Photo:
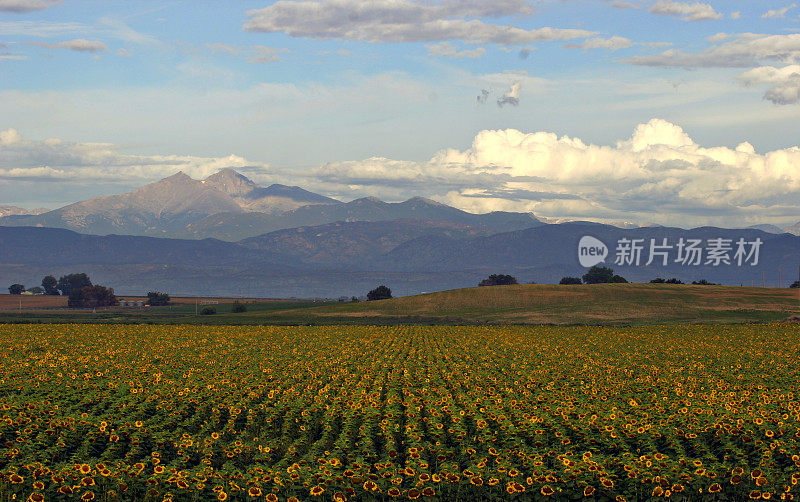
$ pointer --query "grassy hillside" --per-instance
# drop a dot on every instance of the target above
(588, 304)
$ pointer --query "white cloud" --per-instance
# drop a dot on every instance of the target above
(736, 14)
(658, 174)
(402, 21)
(784, 82)
(511, 96)
(686, 11)
(21, 6)
(745, 50)
(84, 162)
(778, 13)
(78, 45)
(264, 54)
(614, 43)
(447, 49)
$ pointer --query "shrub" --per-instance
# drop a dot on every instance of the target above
(498, 280)
(238, 307)
(570, 280)
(208, 311)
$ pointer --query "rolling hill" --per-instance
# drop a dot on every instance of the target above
(552, 304)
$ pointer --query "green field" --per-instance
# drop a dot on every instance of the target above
(368, 413)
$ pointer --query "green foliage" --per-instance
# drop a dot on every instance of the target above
(598, 275)
(208, 310)
(703, 282)
(570, 280)
(795, 284)
(16, 289)
(71, 282)
(91, 297)
(380, 293)
(157, 299)
(238, 307)
(498, 280)
(657, 280)
(674, 281)
(50, 285)
(618, 279)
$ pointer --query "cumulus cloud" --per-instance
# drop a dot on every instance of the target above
(54, 158)
(614, 43)
(784, 83)
(686, 11)
(778, 13)
(264, 54)
(447, 49)
(402, 21)
(744, 50)
(658, 174)
(77, 45)
(22, 6)
(511, 96)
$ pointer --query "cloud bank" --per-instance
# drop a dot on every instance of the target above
(381, 21)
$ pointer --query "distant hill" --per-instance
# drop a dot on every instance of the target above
(356, 243)
(349, 258)
(234, 226)
(165, 207)
(793, 229)
(766, 227)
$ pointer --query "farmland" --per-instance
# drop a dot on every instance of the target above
(408, 412)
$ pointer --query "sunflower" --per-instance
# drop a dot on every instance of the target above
(715, 488)
(36, 497)
(413, 494)
(222, 496)
(254, 491)
(370, 485)
(65, 490)
(86, 468)
(292, 499)
(316, 491)
(755, 494)
(588, 491)
(339, 497)
(608, 483)
(38, 485)
(87, 496)
(271, 497)
(87, 481)
(16, 479)
(761, 481)
(493, 481)
(393, 492)
(476, 480)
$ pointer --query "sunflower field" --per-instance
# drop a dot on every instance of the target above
(116, 412)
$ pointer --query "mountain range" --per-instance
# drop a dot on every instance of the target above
(231, 207)
(225, 235)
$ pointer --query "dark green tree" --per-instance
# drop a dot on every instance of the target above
(795, 284)
(703, 282)
(157, 299)
(238, 307)
(16, 289)
(658, 280)
(498, 280)
(618, 279)
(91, 297)
(598, 275)
(380, 293)
(674, 281)
(208, 311)
(570, 280)
(50, 285)
(71, 282)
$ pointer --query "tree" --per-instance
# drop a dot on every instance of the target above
(208, 311)
(703, 282)
(674, 281)
(380, 293)
(498, 280)
(91, 297)
(658, 280)
(71, 282)
(36, 290)
(50, 285)
(156, 299)
(618, 279)
(570, 280)
(795, 284)
(238, 307)
(16, 289)
(598, 275)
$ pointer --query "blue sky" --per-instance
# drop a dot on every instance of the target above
(591, 109)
